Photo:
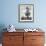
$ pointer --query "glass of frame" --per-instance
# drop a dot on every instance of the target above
(26, 13)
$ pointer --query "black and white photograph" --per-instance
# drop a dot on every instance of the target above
(26, 12)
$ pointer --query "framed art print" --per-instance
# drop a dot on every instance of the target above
(26, 12)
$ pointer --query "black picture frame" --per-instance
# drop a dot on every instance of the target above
(26, 13)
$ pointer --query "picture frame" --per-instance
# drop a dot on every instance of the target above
(26, 13)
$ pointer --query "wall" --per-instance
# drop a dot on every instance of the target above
(9, 13)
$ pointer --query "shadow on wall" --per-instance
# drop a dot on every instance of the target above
(2, 26)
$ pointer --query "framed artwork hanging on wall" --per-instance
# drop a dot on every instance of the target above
(26, 13)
